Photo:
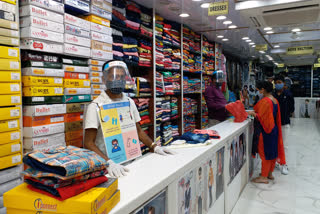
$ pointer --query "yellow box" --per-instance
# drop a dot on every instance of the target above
(10, 88)
(9, 41)
(10, 160)
(9, 65)
(8, 24)
(10, 113)
(41, 81)
(76, 83)
(10, 1)
(98, 20)
(10, 76)
(10, 100)
(9, 125)
(112, 201)
(90, 202)
(9, 137)
(9, 52)
(10, 148)
(41, 91)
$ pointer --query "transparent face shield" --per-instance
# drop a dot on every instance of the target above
(221, 77)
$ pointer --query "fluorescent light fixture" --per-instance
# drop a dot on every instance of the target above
(196, 0)
(270, 32)
(232, 26)
(227, 22)
(262, 52)
(296, 30)
(276, 46)
(251, 43)
(221, 17)
(205, 5)
(225, 40)
(253, 46)
(248, 40)
(245, 38)
(267, 28)
(184, 15)
(220, 36)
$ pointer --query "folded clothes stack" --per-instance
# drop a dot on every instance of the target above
(130, 50)
(117, 45)
(143, 108)
(205, 116)
(190, 123)
(160, 90)
(191, 85)
(143, 87)
(175, 130)
(159, 43)
(168, 83)
(158, 118)
(146, 21)
(166, 133)
(133, 16)
(189, 106)
(174, 108)
(145, 53)
(119, 13)
(176, 83)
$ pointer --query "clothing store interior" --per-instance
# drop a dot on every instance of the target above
(159, 106)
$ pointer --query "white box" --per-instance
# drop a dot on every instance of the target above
(44, 110)
(77, 69)
(30, 10)
(44, 143)
(43, 72)
(41, 23)
(96, 62)
(98, 86)
(8, 7)
(77, 31)
(95, 68)
(76, 50)
(10, 174)
(101, 29)
(103, 55)
(82, 5)
(5, 187)
(95, 80)
(70, 19)
(76, 91)
(47, 4)
(101, 12)
(94, 74)
(96, 91)
(76, 40)
(38, 131)
(37, 33)
(38, 45)
(101, 37)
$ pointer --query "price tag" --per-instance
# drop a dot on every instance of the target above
(13, 124)
(58, 80)
(13, 52)
(15, 76)
(15, 87)
(16, 159)
(14, 65)
(15, 99)
(82, 76)
(15, 136)
(58, 90)
(37, 64)
(15, 148)
(37, 99)
(14, 113)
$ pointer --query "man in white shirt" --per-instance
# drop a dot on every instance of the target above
(115, 76)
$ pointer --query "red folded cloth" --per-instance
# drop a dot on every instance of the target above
(238, 111)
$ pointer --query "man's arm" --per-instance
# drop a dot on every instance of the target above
(210, 99)
(90, 142)
(143, 137)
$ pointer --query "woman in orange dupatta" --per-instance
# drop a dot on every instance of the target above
(270, 144)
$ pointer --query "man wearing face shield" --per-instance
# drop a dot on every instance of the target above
(215, 99)
(115, 77)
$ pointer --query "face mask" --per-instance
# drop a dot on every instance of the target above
(116, 86)
(279, 86)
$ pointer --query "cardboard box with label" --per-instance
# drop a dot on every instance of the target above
(77, 31)
(10, 113)
(9, 100)
(73, 75)
(42, 120)
(38, 131)
(96, 91)
(42, 81)
(76, 50)
(48, 4)
(10, 149)
(10, 88)
(101, 12)
(33, 21)
(75, 91)
(103, 4)
(53, 65)
(74, 126)
(73, 117)
(44, 143)
(9, 137)
(73, 20)
(75, 142)
(9, 33)
(73, 135)
(75, 83)
(45, 72)
(96, 79)
(7, 7)
(98, 20)
(31, 10)
(76, 98)
(10, 76)
(43, 110)
(32, 91)
(39, 57)
(77, 6)
(9, 41)
(8, 24)
(38, 45)
(37, 33)
(9, 125)
(5, 187)
(96, 62)
(103, 55)
(77, 40)
(75, 62)
(101, 37)
(101, 29)
(75, 107)
(42, 100)
(78, 69)
(101, 46)
(98, 86)
(96, 74)
(10, 160)
(9, 64)
(10, 174)
(9, 52)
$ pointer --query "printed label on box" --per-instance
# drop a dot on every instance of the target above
(15, 41)
(16, 159)
(14, 113)
(98, 54)
(101, 37)
(72, 39)
(78, 31)
(14, 65)
(78, 4)
(15, 76)
(48, 4)
(76, 50)
(33, 32)
(30, 10)
(77, 21)
(15, 136)
(15, 87)
(101, 29)
(41, 23)
(58, 80)
(15, 148)
(13, 52)
(13, 124)
(38, 45)
(15, 99)
(37, 99)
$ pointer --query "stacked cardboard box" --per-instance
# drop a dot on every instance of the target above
(96, 77)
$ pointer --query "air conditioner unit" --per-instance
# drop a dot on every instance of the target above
(270, 13)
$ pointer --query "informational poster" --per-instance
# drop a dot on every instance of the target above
(307, 108)
(211, 181)
(119, 132)
(156, 205)
(201, 198)
(187, 193)
(219, 173)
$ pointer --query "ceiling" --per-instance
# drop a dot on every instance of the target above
(199, 21)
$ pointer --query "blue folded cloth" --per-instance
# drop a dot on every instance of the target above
(192, 138)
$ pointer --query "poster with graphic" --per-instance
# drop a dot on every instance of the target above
(219, 173)
(201, 181)
(307, 108)
(119, 132)
(156, 205)
(211, 181)
(187, 193)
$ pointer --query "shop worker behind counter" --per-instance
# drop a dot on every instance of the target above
(215, 100)
(115, 76)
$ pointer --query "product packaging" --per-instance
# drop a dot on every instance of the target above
(96, 91)
(9, 125)
(73, 135)
(39, 45)
(96, 62)
(76, 83)
(47, 72)
(9, 33)
(73, 107)
(101, 29)
(9, 52)
(77, 69)
(42, 100)
(101, 37)
(7, 7)
(98, 86)
(76, 98)
(10, 149)
(103, 4)
(76, 40)
(10, 174)
(76, 50)
(40, 57)
(41, 81)
(37, 33)
(10, 160)
(41, 91)
(47, 4)
(76, 142)
(76, 62)
(93, 97)
(10, 76)
(103, 55)
(8, 24)
(98, 20)
(9, 41)
(44, 143)
(72, 75)
(76, 91)
(44, 110)
(10, 88)
(54, 65)
(9, 100)
(5, 187)
(33, 21)
(101, 12)
(73, 117)
(73, 20)
(96, 74)
(73, 126)
(75, 5)
(38, 131)
(96, 80)
(10, 113)
(9, 64)
(7, 15)
(10, 1)
(9, 137)
(77, 31)
(31, 10)
(42, 120)
(101, 46)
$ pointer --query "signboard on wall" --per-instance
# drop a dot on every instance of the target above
(262, 47)
(280, 65)
(300, 50)
(317, 65)
(218, 8)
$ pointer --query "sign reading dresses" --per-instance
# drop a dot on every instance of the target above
(119, 132)
(218, 8)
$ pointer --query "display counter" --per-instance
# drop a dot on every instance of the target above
(153, 174)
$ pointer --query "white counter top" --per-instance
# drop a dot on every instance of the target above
(152, 173)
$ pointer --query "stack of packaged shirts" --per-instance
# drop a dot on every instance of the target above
(189, 123)
(130, 50)
(159, 43)
(143, 108)
(76, 89)
(101, 8)
(77, 40)
(166, 133)
(41, 26)
(174, 108)
(117, 45)
(160, 90)
(133, 16)
(97, 86)
(166, 108)
(191, 85)
(145, 53)
(205, 115)
(189, 106)
(143, 87)
(146, 21)
(119, 13)
(168, 83)
(77, 7)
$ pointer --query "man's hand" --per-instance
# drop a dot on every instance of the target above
(163, 151)
(116, 170)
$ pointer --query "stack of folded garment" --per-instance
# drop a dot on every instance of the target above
(159, 43)
(191, 85)
(166, 133)
(130, 50)
(176, 83)
(119, 13)
(133, 16)
(146, 21)
(143, 108)
(117, 45)
(205, 116)
(158, 117)
(166, 109)
(168, 83)
(175, 130)
(160, 90)
(189, 106)
(145, 56)
(143, 87)
(190, 123)
(174, 108)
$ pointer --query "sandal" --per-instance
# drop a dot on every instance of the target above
(269, 177)
(260, 180)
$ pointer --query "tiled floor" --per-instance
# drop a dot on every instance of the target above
(298, 192)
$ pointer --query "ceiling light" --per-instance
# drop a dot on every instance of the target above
(232, 26)
(245, 38)
(205, 5)
(220, 36)
(253, 46)
(196, 0)
(248, 40)
(267, 28)
(253, 56)
(221, 17)
(262, 52)
(276, 46)
(225, 39)
(227, 22)
(184, 15)
(270, 32)
(251, 43)
(296, 30)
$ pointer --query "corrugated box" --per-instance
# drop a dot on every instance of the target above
(42, 100)
(54, 65)
(42, 120)
(5, 187)
(96, 62)
(81, 5)
(76, 83)
(44, 143)
(40, 57)
(9, 33)
(43, 110)
(72, 75)
(9, 52)
(76, 98)
(9, 125)
(38, 131)
(10, 1)
(78, 69)
(10, 149)
(41, 91)
(101, 46)
(98, 20)
(41, 81)
(7, 7)
(9, 64)
(96, 91)
(76, 50)
(37, 33)
(98, 86)
(47, 72)
(7, 76)
(38, 45)
(96, 80)
(101, 12)
(76, 91)
(99, 54)
(9, 100)
(9, 137)
(10, 174)
(70, 19)
(73, 135)
(41, 23)
(76, 62)
(10, 160)
(96, 74)
(101, 37)
(8, 24)
(76, 142)
(72, 117)
(47, 4)
(10, 88)
(10, 113)
(78, 31)
(72, 39)
(73, 126)
(30, 10)
(73, 107)
(100, 28)
(9, 41)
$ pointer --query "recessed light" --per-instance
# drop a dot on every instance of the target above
(227, 22)
(270, 32)
(220, 36)
(296, 30)
(277, 46)
(253, 56)
(253, 46)
(205, 5)
(232, 26)
(251, 43)
(184, 15)
(245, 38)
(225, 39)
(221, 17)
(267, 28)
(248, 40)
